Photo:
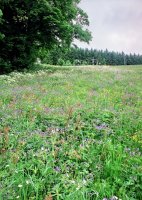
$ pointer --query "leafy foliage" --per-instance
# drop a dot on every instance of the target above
(1, 35)
(29, 25)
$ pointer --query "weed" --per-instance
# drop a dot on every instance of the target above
(71, 133)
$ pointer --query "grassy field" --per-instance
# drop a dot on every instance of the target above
(71, 133)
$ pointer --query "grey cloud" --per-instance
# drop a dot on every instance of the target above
(115, 24)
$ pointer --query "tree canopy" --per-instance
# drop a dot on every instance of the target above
(27, 25)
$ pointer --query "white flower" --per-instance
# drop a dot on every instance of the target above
(20, 185)
(27, 182)
(84, 182)
(42, 148)
(72, 181)
(78, 187)
(17, 197)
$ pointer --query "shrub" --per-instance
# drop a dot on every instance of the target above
(61, 62)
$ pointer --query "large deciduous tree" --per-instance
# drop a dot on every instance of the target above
(26, 25)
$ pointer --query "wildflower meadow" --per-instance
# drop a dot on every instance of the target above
(71, 133)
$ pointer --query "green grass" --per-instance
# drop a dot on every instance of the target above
(71, 133)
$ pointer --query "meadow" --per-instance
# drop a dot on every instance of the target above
(71, 133)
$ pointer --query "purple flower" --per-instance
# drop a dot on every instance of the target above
(101, 127)
(57, 169)
(18, 111)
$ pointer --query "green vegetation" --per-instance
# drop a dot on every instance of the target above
(79, 56)
(71, 133)
(27, 26)
(93, 56)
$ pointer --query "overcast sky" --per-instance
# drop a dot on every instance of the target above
(115, 24)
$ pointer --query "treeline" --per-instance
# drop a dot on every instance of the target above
(79, 56)
(27, 26)
(46, 29)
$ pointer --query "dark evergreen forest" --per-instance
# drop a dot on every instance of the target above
(79, 56)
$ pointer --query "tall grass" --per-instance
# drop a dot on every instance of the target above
(71, 133)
